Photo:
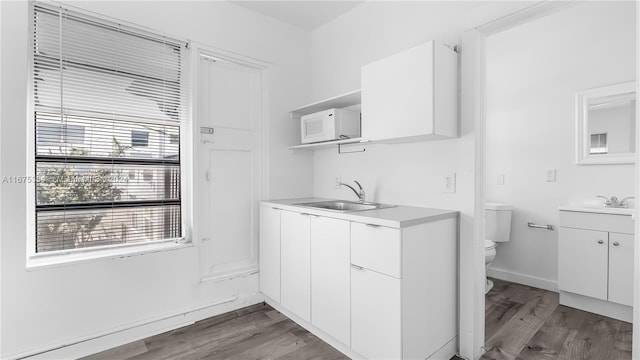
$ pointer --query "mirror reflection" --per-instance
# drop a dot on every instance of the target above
(611, 124)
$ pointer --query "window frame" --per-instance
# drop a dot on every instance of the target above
(35, 260)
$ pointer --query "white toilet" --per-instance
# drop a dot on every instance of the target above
(497, 229)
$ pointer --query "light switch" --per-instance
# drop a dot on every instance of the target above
(551, 175)
(501, 179)
(449, 183)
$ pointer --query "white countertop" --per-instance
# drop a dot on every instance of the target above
(598, 210)
(395, 217)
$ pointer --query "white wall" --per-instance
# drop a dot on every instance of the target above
(58, 305)
(408, 174)
(534, 71)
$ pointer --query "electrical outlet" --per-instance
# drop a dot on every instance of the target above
(449, 183)
(337, 184)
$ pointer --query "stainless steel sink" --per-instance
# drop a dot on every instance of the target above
(345, 206)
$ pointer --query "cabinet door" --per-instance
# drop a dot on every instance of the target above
(412, 93)
(270, 252)
(375, 315)
(621, 268)
(296, 263)
(330, 273)
(582, 262)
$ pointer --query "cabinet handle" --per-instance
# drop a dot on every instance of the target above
(373, 225)
(357, 267)
(309, 215)
(615, 243)
(600, 241)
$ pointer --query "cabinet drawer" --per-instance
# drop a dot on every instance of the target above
(377, 248)
(601, 222)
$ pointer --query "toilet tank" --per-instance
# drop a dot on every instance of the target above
(497, 222)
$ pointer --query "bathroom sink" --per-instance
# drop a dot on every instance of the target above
(344, 206)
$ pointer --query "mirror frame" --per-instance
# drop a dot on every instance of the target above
(582, 152)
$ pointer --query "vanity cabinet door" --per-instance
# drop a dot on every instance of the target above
(330, 273)
(621, 268)
(376, 326)
(583, 262)
(296, 263)
(269, 250)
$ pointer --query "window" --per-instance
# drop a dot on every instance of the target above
(99, 90)
(598, 144)
(139, 138)
(54, 134)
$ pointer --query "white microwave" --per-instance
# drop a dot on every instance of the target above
(332, 124)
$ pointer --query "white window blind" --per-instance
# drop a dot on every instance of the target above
(108, 106)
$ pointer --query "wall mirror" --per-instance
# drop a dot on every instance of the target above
(606, 125)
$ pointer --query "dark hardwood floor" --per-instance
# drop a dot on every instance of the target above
(254, 332)
(527, 323)
(522, 323)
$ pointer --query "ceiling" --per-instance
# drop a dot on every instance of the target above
(304, 14)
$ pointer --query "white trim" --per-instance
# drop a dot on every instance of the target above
(45, 261)
(110, 338)
(472, 272)
(523, 279)
(635, 351)
(0, 188)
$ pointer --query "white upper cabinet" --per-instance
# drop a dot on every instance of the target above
(412, 95)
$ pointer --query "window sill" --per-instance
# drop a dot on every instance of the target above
(43, 261)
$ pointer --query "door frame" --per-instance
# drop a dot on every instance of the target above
(473, 92)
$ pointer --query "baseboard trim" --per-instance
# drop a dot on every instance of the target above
(523, 279)
(108, 339)
(597, 306)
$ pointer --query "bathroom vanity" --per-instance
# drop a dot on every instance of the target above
(595, 260)
(378, 283)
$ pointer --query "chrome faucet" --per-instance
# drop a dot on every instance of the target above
(360, 194)
(613, 202)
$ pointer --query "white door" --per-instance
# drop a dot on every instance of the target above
(330, 277)
(621, 268)
(295, 287)
(228, 114)
(582, 262)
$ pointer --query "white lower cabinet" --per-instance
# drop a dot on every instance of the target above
(371, 291)
(295, 252)
(330, 273)
(376, 314)
(403, 290)
(595, 263)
